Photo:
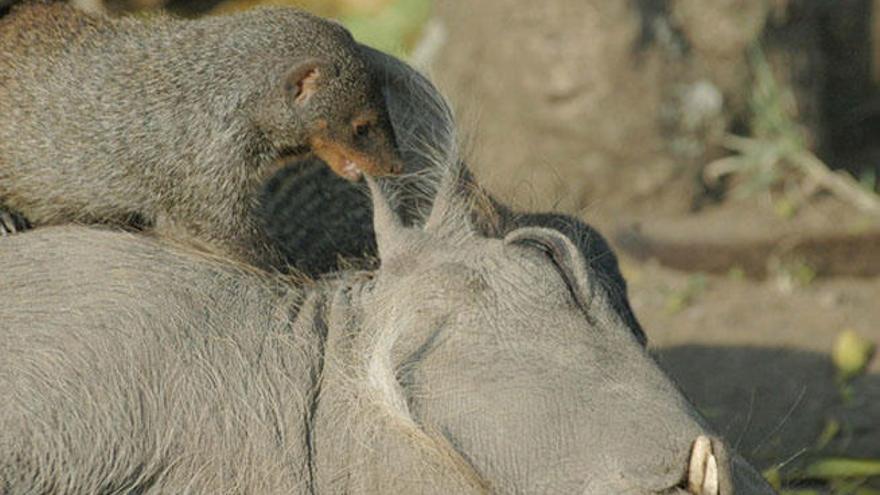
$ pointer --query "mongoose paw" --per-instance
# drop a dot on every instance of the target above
(12, 222)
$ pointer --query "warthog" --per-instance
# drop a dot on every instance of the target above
(463, 364)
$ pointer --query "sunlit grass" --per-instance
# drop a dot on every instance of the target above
(393, 26)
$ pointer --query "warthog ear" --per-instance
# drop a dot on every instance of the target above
(450, 213)
(565, 255)
(389, 230)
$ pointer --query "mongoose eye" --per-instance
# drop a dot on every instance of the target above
(362, 129)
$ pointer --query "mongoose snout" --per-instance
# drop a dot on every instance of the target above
(349, 162)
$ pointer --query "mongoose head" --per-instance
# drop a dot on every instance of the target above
(331, 104)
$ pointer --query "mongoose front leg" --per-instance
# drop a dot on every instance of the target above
(12, 222)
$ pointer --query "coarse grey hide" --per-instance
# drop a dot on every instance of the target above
(463, 364)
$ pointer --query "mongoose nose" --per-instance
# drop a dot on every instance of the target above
(351, 171)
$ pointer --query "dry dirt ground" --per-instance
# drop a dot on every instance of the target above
(756, 360)
(754, 354)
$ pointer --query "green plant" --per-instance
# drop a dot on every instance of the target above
(776, 154)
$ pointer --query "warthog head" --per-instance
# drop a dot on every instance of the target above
(502, 365)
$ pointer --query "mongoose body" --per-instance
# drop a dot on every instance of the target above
(176, 124)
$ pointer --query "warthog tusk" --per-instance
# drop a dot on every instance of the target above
(703, 468)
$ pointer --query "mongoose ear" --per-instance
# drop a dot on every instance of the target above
(306, 77)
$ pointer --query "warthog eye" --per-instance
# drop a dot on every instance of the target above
(363, 281)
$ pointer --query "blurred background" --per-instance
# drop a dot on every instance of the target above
(730, 150)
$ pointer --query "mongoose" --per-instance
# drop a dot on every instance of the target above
(176, 124)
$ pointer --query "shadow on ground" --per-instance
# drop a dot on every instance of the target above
(774, 403)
